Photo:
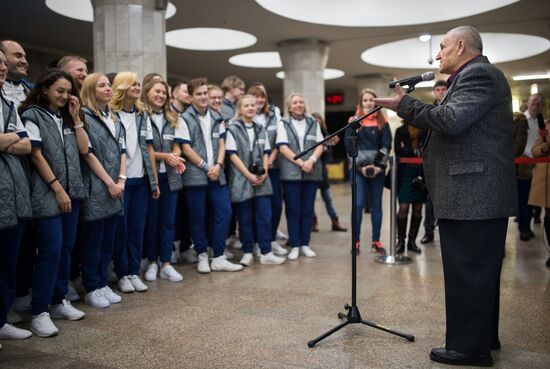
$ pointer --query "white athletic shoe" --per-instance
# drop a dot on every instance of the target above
(294, 253)
(256, 251)
(66, 311)
(203, 265)
(124, 285)
(189, 256)
(42, 325)
(112, 297)
(281, 235)
(174, 257)
(72, 293)
(151, 273)
(221, 264)
(13, 317)
(307, 251)
(271, 258)
(9, 332)
(278, 249)
(170, 273)
(22, 303)
(247, 259)
(138, 283)
(96, 299)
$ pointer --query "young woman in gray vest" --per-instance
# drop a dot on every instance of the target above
(161, 214)
(300, 178)
(249, 185)
(51, 116)
(268, 119)
(16, 205)
(204, 180)
(105, 177)
(141, 179)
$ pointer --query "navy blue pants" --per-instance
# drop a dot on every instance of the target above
(10, 239)
(56, 239)
(25, 261)
(128, 250)
(525, 211)
(197, 199)
(98, 241)
(429, 218)
(299, 204)
(276, 201)
(160, 226)
(254, 218)
(369, 190)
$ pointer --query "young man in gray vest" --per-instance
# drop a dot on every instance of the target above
(15, 88)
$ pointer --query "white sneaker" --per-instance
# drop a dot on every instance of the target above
(189, 256)
(9, 332)
(228, 254)
(112, 297)
(294, 253)
(256, 251)
(66, 311)
(13, 317)
(221, 264)
(151, 273)
(174, 258)
(96, 299)
(270, 258)
(42, 325)
(278, 249)
(138, 283)
(281, 235)
(143, 265)
(72, 294)
(170, 273)
(124, 285)
(247, 259)
(307, 251)
(22, 303)
(203, 265)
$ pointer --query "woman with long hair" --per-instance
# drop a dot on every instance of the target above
(141, 178)
(373, 145)
(161, 213)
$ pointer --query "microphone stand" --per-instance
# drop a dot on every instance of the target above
(353, 316)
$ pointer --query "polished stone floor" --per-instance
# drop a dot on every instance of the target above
(264, 316)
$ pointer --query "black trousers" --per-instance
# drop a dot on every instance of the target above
(472, 252)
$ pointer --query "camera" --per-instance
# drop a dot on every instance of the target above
(369, 172)
(256, 169)
(419, 184)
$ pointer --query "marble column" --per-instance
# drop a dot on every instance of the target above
(304, 62)
(130, 35)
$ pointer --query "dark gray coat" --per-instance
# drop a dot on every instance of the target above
(469, 153)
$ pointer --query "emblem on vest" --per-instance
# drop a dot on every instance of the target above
(168, 137)
(67, 131)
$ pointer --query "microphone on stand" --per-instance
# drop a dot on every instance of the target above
(412, 81)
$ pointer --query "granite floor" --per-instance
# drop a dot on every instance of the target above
(264, 316)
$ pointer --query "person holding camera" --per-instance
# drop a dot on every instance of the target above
(300, 178)
(373, 145)
(410, 184)
(249, 184)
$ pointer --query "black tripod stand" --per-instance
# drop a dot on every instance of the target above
(353, 315)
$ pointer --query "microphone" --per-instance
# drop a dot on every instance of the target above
(542, 126)
(412, 81)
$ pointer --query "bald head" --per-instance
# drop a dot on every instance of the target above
(459, 46)
(16, 59)
(471, 37)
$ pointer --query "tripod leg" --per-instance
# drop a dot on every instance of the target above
(313, 342)
(409, 337)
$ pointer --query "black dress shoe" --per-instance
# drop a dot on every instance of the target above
(427, 238)
(442, 355)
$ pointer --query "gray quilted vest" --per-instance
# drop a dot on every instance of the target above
(271, 127)
(62, 157)
(107, 148)
(164, 142)
(141, 121)
(195, 176)
(14, 186)
(240, 188)
(289, 171)
(227, 110)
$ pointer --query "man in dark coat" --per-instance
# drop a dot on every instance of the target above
(469, 171)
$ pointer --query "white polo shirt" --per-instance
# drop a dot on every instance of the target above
(134, 162)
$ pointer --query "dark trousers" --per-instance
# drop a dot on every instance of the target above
(429, 218)
(254, 218)
(299, 205)
(10, 239)
(276, 201)
(472, 253)
(25, 261)
(524, 210)
(183, 229)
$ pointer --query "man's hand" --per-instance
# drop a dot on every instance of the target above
(391, 102)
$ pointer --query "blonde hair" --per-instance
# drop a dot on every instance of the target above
(238, 114)
(214, 87)
(260, 91)
(289, 99)
(62, 63)
(380, 117)
(87, 93)
(231, 82)
(121, 84)
(170, 114)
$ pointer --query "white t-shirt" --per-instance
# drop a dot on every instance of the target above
(14, 92)
(206, 128)
(34, 131)
(231, 143)
(134, 162)
(158, 121)
(260, 119)
(532, 134)
(300, 126)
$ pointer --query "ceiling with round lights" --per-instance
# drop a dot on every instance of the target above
(83, 10)
(328, 73)
(369, 13)
(412, 53)
(209, 39)
(266, 59)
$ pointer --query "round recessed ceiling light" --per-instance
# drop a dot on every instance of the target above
(208, 39)
(362, 13)
(83, 10)
(267, 59)
(328, 73)
(413, 54)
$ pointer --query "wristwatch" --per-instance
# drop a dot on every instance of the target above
(123, 177)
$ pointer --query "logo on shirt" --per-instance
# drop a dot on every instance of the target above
(68, 131)
(216, 135)
(168, 137)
